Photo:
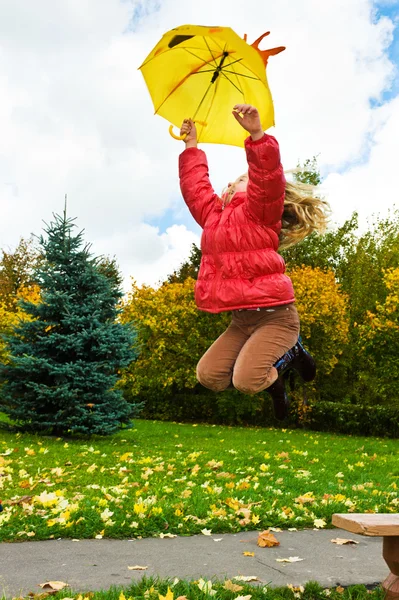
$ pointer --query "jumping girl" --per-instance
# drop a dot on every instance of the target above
(241, 270)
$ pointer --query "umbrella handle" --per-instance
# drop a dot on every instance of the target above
(174, 136)
(182, 137)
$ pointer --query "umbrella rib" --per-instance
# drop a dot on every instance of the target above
(239, 74)
(181, 83)
(205, 62)
(167, 51)
(210, 107)
(202, 99)
(209, 48)
(229, 80)
(238, 82)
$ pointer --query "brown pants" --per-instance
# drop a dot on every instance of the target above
(245, 353)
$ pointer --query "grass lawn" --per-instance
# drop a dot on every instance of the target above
(157, 589)
(169, 478)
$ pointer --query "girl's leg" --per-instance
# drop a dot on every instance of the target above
(215, 369)
(274, 334)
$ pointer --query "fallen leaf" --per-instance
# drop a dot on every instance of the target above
(137, 568)
(168, 596)
(206, 587)
(343, 541)
(232, 587)
(340, 589)
(217, 539)
(22, 500)
(305, 499)
(275, 529)
(243, 597)
(267, 540)
(319, 523)
(53, 586)
(167, 535)
(291, 559)
(206, 531)
(248, 554)
(246, 578)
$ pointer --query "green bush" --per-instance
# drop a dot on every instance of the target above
(234, 408)
(199, 405)
(377, 420)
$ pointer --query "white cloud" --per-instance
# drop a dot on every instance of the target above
(75, 116)
(144, 248)
(372, 182)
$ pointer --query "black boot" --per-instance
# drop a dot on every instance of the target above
(299, 359)
(281, 402)
(303, 362)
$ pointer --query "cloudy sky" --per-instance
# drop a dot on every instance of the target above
(76, 118)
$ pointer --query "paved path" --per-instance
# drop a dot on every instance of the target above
(97, 564)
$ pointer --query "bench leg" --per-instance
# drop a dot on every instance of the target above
(390, 552)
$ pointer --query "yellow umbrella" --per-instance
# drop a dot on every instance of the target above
(201, 73)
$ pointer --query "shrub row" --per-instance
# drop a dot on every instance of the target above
(233, 408)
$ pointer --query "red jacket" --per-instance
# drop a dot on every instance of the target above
(240, 266)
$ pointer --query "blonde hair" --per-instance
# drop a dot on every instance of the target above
(304, 212)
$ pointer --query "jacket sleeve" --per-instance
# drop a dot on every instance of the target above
(266, 181)
(195, 186)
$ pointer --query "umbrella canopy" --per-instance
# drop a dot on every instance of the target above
(201, 73)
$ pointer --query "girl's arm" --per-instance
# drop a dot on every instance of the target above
(266, 180)
(194, 176)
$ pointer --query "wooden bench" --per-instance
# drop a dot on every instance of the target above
(386, 526)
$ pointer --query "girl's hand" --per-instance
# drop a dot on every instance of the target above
(188, 128)
(249, 120)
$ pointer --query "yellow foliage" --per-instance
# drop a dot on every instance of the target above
(386, 316)
(9, 318)
(173, 334)
(323, 309)
(379, 339)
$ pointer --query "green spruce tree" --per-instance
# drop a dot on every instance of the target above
(66, 361)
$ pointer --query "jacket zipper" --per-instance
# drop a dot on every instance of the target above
(218, 274)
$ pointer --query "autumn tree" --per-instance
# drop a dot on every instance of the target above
(16, 271)
(172, 334)
(11, 317)
(188, 268)
(66, 359)
(379, 342)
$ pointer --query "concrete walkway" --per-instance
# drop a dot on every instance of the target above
(97, 564)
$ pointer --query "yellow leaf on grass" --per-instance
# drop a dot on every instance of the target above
(246, 578)
(319, 523)
(243, 597)
(138, 568)
(267, 540)
(206, 587)
(343, 541)
(340, 589)
(232, 587)
(168, 595)
(249, 553)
